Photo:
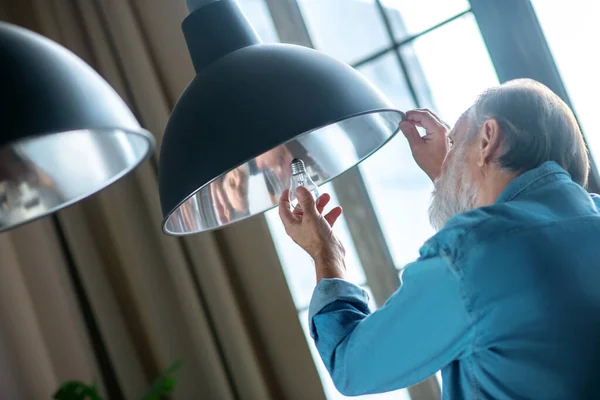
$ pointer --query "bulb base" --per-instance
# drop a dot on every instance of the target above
(297, 166)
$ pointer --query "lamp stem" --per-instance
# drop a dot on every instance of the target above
(194, 5)
(214, 29)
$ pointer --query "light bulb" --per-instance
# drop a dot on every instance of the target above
(300, 178)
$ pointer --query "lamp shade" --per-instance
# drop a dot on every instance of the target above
(64, 133)
(251, 109)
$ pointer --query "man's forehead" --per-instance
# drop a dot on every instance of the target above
(464, 116)
(462, 124)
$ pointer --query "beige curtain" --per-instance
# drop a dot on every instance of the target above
(97, 292)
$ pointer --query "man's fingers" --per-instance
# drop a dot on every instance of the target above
(429, 113)
(284, 208)
(297, 211)
(426, 119)
(434, 115)
(306, 201)
(333, 215)
(322, 201)
(410, 132)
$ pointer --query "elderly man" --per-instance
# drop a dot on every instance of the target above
(505, 298)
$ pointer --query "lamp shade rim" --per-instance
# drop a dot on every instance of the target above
(139, 132)
(332, 122)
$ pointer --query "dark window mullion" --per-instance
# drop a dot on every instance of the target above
(399, 58)
(372, 57)
(414, 37)
(396, 47)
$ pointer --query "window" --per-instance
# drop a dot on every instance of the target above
(260, 18)
(572, 33)
(426, 54)
(409, 17)
(296, 264)
(450, 67)
(334, 24)
(420, 54)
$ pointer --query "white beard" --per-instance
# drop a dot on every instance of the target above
(453, 193)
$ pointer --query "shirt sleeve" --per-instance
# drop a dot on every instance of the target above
(423, 327)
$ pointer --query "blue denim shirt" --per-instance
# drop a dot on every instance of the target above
(505, 300)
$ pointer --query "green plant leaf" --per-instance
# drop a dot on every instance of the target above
(173, 368)
(164, 384)
(76, 390)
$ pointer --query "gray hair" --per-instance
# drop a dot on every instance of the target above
(537, 126)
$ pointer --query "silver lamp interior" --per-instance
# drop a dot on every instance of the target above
(256, 185)
(43, 174)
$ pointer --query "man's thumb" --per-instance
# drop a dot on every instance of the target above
(306, 200)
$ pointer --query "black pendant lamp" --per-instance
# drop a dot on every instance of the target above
(251, 109)
(64, 134)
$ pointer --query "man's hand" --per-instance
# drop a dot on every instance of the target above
(430, 150)
(312, 231)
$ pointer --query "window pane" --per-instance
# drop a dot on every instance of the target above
(298, 266)
(330, 390)
(345, 29)
(259, 16)
(453, 67)
(400, 194)
(455, 64)
(572, 33)
(409, 17)
(385, 73)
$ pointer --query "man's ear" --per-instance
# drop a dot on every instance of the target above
(490, 136)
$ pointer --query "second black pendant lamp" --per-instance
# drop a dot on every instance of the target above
(250, 110)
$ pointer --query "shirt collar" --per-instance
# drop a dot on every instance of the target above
(527, 181)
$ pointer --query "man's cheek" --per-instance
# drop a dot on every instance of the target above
(447, 161)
